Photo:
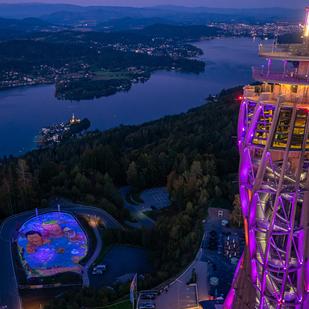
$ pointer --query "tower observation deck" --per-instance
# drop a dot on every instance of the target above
(273, 141)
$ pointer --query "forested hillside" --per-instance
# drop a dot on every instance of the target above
(193, 152)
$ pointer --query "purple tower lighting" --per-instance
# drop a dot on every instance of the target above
(273, 142)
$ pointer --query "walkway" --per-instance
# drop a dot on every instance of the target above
(136, 210)
(155, 197)
(96, 253)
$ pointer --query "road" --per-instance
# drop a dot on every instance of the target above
(95, 254)
(8, 285)
(155, 197)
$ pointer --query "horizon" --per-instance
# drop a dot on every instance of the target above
(219, 4)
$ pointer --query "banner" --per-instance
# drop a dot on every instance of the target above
(132, 288)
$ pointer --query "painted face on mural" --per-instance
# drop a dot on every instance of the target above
(35, 240)
(69, 233)
(52, 229)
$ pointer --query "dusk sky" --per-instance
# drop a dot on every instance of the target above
(193, 3)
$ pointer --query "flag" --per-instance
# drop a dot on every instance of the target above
(132, 288)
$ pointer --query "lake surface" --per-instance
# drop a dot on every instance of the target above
(24, 111)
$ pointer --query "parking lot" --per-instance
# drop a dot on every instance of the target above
(177, 295)
(157, 197)
(121, 261)
(220, 266)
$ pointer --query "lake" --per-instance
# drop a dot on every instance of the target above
(24, 111)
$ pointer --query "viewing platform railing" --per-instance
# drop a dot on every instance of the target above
(281, 50)
(288, 76)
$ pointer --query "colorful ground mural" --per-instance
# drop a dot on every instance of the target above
(50, 244)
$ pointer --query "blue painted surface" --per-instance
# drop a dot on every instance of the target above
(63, 244)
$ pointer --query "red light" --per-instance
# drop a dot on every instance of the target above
(240, 97)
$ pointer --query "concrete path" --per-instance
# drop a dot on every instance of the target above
(136, 210)
(156, 197)
(96, 253)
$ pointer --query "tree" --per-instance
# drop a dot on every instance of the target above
(196, 169)
(218, 191)
(23, 172)
(85, 185)
(132, 175)
(237, 215)
(6, 190)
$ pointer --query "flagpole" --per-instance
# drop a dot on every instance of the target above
(136, 285)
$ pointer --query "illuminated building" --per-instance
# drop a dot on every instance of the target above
(273, 144)
(73, 120)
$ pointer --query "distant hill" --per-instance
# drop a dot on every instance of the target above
(28, 24)
(93, 15)
(24, 10)
(181, 32)
(82, 38)
(128, 23)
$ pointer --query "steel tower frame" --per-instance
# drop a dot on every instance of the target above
(273, 129)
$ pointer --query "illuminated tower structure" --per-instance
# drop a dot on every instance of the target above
(273, 141)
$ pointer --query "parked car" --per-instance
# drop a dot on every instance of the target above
(97, 272)
(100, 267)
(147, 305)
(148, 296)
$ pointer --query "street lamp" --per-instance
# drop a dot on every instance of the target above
(178, 291)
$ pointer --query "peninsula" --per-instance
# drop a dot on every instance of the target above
(58, 133)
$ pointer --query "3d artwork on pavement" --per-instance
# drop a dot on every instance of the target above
(50, 244)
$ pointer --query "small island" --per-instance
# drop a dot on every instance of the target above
(59, 133)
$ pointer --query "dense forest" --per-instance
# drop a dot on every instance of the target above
(192, 153)
(23, 55)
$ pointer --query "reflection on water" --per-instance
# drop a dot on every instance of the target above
(24, 111)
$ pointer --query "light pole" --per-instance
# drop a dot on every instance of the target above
(178, 291)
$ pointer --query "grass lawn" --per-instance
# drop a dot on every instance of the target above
(132, 219)
(101, 75)
(136, 198)
(150, 214)
(128, 198)
(123, 305)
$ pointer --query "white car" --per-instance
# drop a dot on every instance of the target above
(147, 305)
(97, 272)
(100, 267)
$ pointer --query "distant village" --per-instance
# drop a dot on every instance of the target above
(55, 134)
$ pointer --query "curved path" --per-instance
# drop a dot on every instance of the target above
(8, 285)
(137, 210)
(96, 252)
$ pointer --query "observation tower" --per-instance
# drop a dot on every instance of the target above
(273, 141)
